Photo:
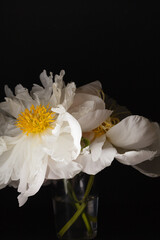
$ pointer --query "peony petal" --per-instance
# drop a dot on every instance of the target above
(13, 107)
(83, 109)
(66, 133)
(3, 146)
(58, 88)
(34, 186)
(135, 157)
(37, 181)
(81, 98)
(94, 119)
(75, 131)
(108, 153)
(3, 124)
(31, 171)
(64, 144)
(11, 129)
(59, 170)
(150, 168)
(45, 80)
(69, 95)
(43, 97)
(133, 132)
(96, 147)
(93, 167)
(92, 88)
(23, 96)
(22, 199)
(59, 79)
(8, 92)
(23, 161)
(9, 157)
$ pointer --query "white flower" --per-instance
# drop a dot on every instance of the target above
(151, 167)
(131, 139)
(39, 139)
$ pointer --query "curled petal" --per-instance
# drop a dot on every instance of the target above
(64, 144)
(82, 98)
(13, 107)
(9, 158)
(45, 80)
(90, 166)
(92, 88)
(96, 147)
(94, 119)
(8, 92)
(59, 79)
(135, 157)
(59, 170)
(8, 126)
(68, 97)
(23, 96)
(34, 186)
(133, 132)
(3, 146)
(150, 168)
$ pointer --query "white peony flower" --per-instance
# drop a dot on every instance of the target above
(39, 139)
(114, 133)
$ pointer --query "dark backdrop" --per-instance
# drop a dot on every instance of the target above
(116, 42)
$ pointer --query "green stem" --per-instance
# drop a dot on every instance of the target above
(84, 217)
(72, 220)
(80, 208)
(89, 186)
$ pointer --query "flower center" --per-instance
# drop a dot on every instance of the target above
(35, 120)
(105, 126)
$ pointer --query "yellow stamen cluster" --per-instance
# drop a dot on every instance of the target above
(35, 120)
(105, 126)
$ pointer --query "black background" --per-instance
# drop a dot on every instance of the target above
(116, 42)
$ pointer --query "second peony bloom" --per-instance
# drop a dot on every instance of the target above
(112, 132)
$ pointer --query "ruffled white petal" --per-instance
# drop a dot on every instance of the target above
(54, 93)
(23, 96)
(59, 79)
(96, 147)
(45, 80)
(59, 170)
(2, 124)
(8, 126)
(108, 153)
(94, 119)
(133, 132)
(89, 109)
(64, 144)
(135, 157)
(26, 162)
(3, 146)
(8, 92)
(9, 157)
(150, 168)
(92, 88)
(82, 99)
(35, 183)
(58, 89)
(13, 107)
(90, 166)
(69, 93)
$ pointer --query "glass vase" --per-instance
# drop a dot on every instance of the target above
(75, 205)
